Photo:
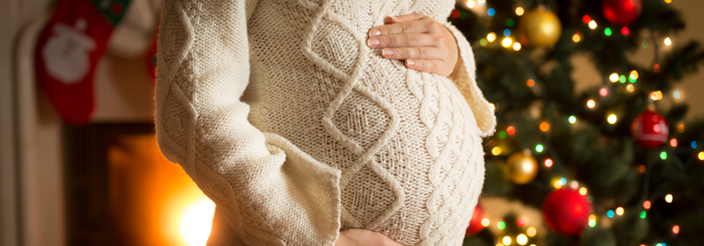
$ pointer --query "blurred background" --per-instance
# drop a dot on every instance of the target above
(79, 164)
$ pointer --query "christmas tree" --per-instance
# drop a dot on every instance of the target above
(615, 164)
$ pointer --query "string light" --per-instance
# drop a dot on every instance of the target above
(591, 103)
(608, 32)
(506, 42)
(557, 184)
(656, 68)
(491, 37)
(481, 2)
(634, 75)
(613, 77)
(693, 145)
(531, 231)
(471, 4)
(491, 11)
(643, 214)
(520, 11)
(673, 142)
(680, 128)
(502, 134)
(603, 92)
(619, 211)
(630, 88)
(612, 119)
(592, 220)
(516, 46)
(522, 239)
(586, 19)
(521, 222)
(701, 156)
(483, 42)
(544, 126)
(622, 79)
(572, 119)
(496, 151)
(507, 32)
(592, 24)
(574, 184)
(530, 83)
(668, 41)
(641, 168)
(583, 191)
(539, 148)
(506, 240)
(625, 31)
(501, 225)
(668, 1)
(576, 38)
(646, 204)
(485, 222)
(663, 155)
(510, 130)
(656, 95)
(676, 229)
(610, 214)
(668, 198)
(676, 94)
(563, 181)
(548, 163)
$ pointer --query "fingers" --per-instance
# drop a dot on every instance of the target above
(414, 53)
(422, 25)
(404, 40)
(430, 66)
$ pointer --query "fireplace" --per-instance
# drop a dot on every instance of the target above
(120, 190)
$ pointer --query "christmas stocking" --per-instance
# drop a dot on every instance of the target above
(68, 51)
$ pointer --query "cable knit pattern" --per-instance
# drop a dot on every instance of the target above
(337, 137)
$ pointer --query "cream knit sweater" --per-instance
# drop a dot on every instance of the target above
(297, 130)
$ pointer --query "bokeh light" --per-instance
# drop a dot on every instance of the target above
(669, 198)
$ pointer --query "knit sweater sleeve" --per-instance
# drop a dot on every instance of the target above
(269, 191)
(464, 76)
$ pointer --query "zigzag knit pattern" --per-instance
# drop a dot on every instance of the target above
(297, 130)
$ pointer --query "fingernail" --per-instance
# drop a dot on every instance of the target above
(375, 33)
(372, 42)
(410, 62)
(387, 52)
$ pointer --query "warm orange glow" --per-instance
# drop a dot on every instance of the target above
(641, 168)
(530, 83)
(196, 220)
(673, 142)
(544, 126)
(510, 130)
(646, 204)
(676, 229)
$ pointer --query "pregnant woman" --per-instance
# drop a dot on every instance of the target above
(305, 120)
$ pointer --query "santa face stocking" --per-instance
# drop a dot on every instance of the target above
(68, 51)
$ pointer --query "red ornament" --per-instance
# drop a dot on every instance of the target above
(566, 211)
(650, 129)
(621, 12)
(475, 224)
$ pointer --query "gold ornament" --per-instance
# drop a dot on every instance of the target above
(522, 168)
(539, 28)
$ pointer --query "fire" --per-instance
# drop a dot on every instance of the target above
(195, 221)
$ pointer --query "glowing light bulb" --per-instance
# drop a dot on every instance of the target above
(612, 119)
(576, 38)
(680, 128)
(668, 41)
(668, 198)
(531, 231)
(471, 4)
(521, 222)
(603, 92)
(516, 46)
(491, 37)
(557, 184)
(630, 88)
(520, 11)
(673, 142)
(586, 19)
(583, 191)
(610, 214)
(592, 24)
(501, 225)
(591, 103)
(563, 181)
(485, 222)
(676, 229)
(506, 42)
(619, 211)
(572, 119)
(506, 240)
(608, 32)
(548, 163)
(663, 155)
(544, 126)
(481, 2)
(592, 217)
(522, 239)
(701, 156)
(574, 184)
(646, 204)
(613, 77)
(530, 83)
(539, 148)
(634, 74)
(668, 1)
(625, 31)
(496, 151)
(676, 94)
(510, 130)
(641, 168)
(656, 95)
